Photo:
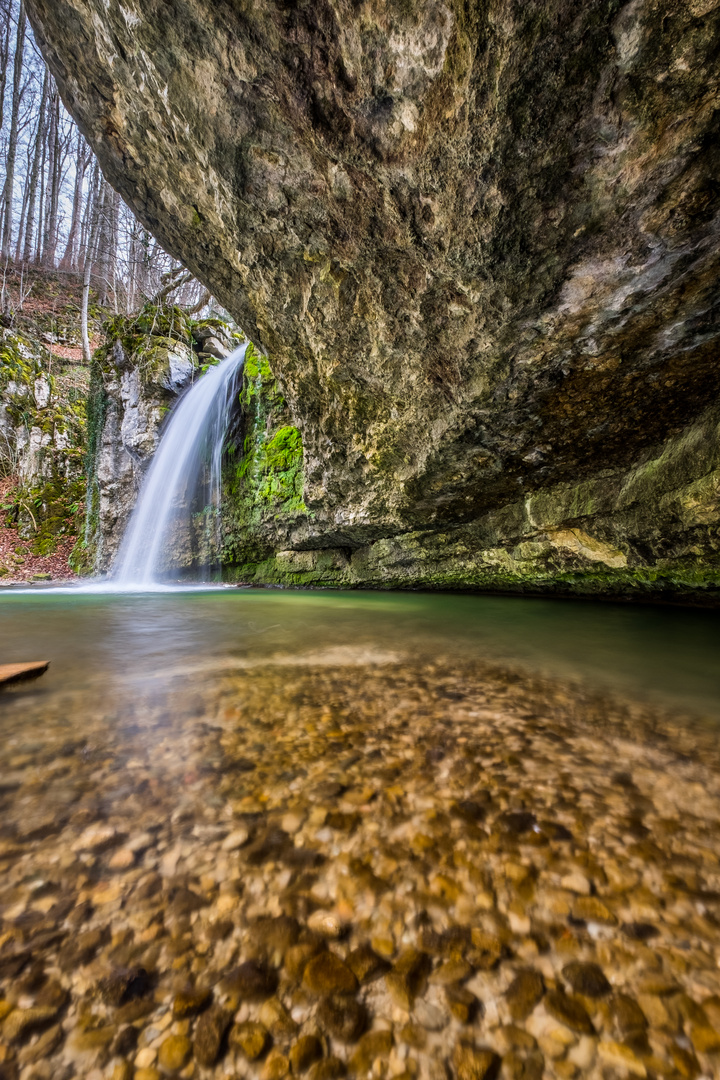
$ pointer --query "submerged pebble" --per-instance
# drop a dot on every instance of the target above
(392, 871)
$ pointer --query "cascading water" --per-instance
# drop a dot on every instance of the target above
(190, 449)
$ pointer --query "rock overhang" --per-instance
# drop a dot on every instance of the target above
(478, 241)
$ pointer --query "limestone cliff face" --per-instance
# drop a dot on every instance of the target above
(137, 376)
(477, 240)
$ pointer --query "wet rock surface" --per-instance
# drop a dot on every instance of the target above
(416, 841)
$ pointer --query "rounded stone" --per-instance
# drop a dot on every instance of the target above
(251, 981)
(524, 993)
(276, 1066)
(628, 1015)
(297, 957)
(190, 1002)
(209, 1035)
(365, 964)
(591, 909)
(373, 1045)
(462, 1003)
(250, 1039)
(235, 840)
(174, 1053)
(331, 1068)
(277, 1019)
(305, 1052)
(587, 979)
(343, 1017)
(475, 1063)
(569, 1011)
(326, 974)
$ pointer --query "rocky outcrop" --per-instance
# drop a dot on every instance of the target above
(146, 362)
(42, 443)
(643, 533)
(478, 242)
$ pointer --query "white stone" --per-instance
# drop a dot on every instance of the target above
(145, 1057)
(291, 823)
(577, 883)
(325, 923)
(95, 838)
(235, 839)
(583, 1054)
(42, 392)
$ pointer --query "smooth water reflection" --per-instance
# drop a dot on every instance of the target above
(670, 656)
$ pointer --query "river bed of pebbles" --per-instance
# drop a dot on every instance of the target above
(369, 870)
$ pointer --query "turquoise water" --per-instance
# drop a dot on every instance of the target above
(669, 656)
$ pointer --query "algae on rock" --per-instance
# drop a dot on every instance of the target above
(263, 482)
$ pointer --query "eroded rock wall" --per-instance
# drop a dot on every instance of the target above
(650, 532)
(477, 240)
(145, 364)
(42, 444)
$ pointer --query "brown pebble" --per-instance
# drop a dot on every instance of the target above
(591, 909)
(365, 964)
(586, 979)
(462, 1003)
(326, 974)
(343, 1017)
(331, 1068)
(524, 993)
(373, 1045)
(209, 1035)
(250, 1039)
(190, 1002)
(251, 981)
(569, 1011)
(627, 1014)
(303, 1053)
(475, 1063)
(297, 957)
(276, 1066)
(277, 1019)
(21, 1022)
(174, 1053)
(124, 984)
(408, 977)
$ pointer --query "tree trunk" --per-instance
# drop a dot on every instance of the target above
(86, 227)
(23, 209)
(102, 272)
(114, 245)
(13, 139)
(35, 171)
(69, 259)
(41, 204)
(51, 219)
(96, 196)
(5, 13)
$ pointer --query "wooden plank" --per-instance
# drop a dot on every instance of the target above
(12, 673)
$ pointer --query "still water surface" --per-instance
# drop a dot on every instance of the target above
(668, 656)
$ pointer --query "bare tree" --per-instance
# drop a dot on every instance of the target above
(55, 204)
(12, 143)
(6, 21)
(35, 170)
(96, 194)
(82, 160)
(50, 236)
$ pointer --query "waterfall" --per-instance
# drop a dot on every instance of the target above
(190, 451)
